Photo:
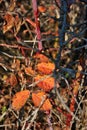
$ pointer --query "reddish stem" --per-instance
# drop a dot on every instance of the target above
(35, 10)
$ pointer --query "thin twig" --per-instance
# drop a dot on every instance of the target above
(35, 114)
(10, 56)
(65, 106)
(5, 125)
(35, 9)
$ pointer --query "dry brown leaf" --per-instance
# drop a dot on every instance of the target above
(10, 80)
(16, 64)
(9, 22)
(12, 5)
(47, 84)
(13, 80)
(19, 99)
(38, 97)
(18, 24)
(75, 88)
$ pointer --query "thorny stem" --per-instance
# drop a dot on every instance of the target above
(62, 31)
(63, 18)
(35, 10)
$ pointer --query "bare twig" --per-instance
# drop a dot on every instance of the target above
(34, 114)
(66, 107)
(35, 9)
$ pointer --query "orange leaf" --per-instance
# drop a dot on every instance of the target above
(38, 97)
(45, 68)
(41, 57)
(47, 84)
(75, 88)
(41, 9)
(19, 99)
(29, 71)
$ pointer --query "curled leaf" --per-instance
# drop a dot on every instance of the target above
(19, 99)
(47, 84)
(38, 98)
(41, 57)
(45, 68)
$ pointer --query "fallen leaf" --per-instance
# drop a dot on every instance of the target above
(37, 99)
(9, 22)
(13, 80)
(10, 80)
(29, 71)
(16, 64)
(41, 57)
(75, 88)
(12, 5)
(19, 99)
(45, 68)
(18, 23)
(47, 84)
